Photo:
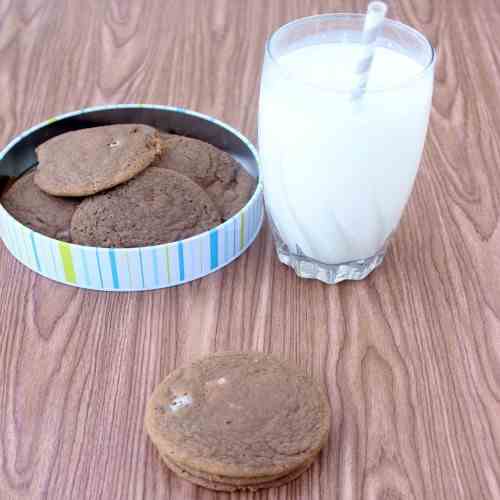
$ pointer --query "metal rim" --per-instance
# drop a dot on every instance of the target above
(257, 193)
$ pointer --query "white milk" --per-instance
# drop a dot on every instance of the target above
(337, 173)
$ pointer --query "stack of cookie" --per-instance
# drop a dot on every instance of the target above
(238, 421)
(127, 186)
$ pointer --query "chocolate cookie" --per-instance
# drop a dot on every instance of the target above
(196, 159)
(246, 484)
(226, 182)
(158, 206)
(85, 162)
(43, 213)
(238, 421)
(233, 196)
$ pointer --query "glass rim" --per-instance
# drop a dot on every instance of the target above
(391, 22)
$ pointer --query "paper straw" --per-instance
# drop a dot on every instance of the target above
(374, 19)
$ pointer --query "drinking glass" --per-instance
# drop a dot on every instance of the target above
(337, 168)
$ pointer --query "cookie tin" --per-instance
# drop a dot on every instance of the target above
(133, 269)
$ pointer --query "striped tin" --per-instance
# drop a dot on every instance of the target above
(133, 269)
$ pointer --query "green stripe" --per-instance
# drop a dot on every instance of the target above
(242, 231)
(67, 260)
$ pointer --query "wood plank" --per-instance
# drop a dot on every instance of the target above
(410, 356)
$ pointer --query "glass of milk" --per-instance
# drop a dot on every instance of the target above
(338, 170)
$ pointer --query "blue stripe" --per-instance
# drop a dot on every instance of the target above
(26, 250)
(236, 234)
(56, 270)
(17, 245)
(250, 224)
(27, 246)
(22, 248)
(254, 219)
(142, 268)
(180, 253)
(99, 267)
(12, 236)
(85, 267)
(226, 243)
(114, 270)
(35, 251)
(155, 267)
(214, 249)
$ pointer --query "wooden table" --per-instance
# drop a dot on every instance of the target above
(410, 356)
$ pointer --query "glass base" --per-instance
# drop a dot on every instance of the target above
(305, 267)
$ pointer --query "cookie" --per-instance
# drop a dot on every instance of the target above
(233, 196)
(195, 159)
(238, 420)
(158, 206)
(43, 213)
(88, 161)
(242, 485)
(225, 181)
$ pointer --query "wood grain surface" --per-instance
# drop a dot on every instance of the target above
(410, 356)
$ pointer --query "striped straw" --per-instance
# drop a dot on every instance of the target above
(374, 19)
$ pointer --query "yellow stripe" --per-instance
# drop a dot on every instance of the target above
(242, 231)
(67, 260)
(51, 120)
